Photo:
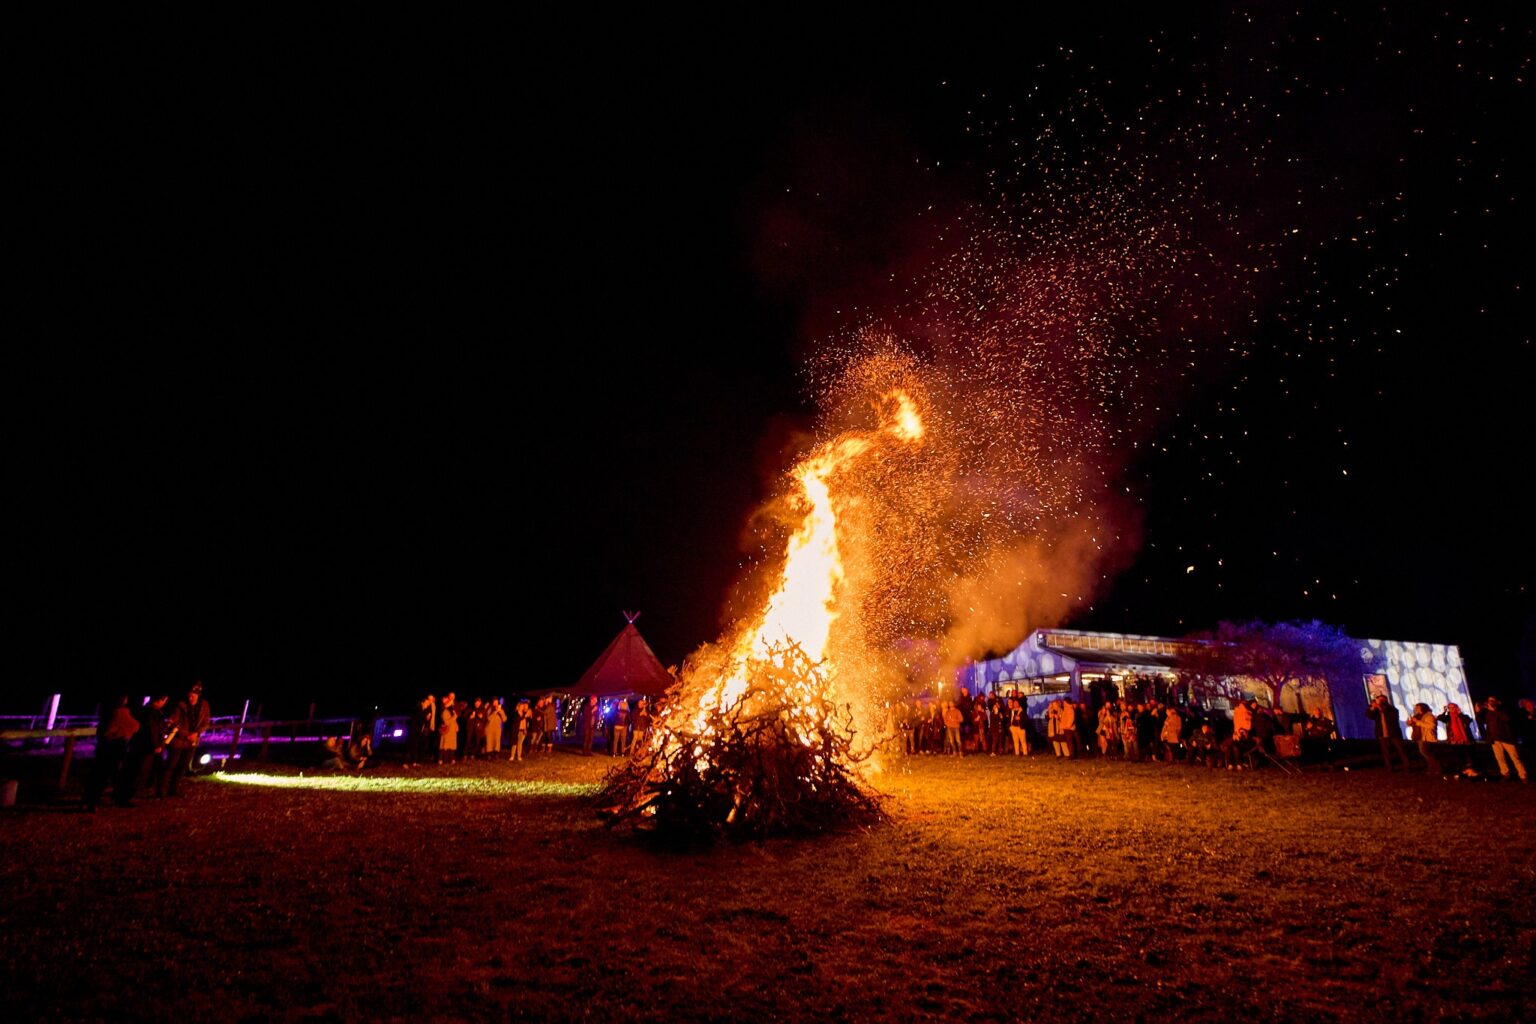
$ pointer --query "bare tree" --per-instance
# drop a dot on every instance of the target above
(1278, 657)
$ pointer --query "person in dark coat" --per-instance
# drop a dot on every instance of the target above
(1147, 729)
(113, 733)
(1500, 732)
(1389, 731)
(1524, 717)
(1264, 729)
(144, 761)
(588, 725)
(188, 721)
(424, 730)
(551, 723)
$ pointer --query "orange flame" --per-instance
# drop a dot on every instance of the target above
(804, 606)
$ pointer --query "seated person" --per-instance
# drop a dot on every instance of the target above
(332, 750)
(1203, 746)
(358, 750)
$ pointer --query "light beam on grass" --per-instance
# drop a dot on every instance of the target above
(387, 784)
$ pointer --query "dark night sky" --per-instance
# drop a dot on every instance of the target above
(356, 375)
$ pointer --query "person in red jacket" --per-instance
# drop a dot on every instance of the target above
(116, 728)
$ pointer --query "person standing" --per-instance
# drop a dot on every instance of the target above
(424, 730)
(997, 723)
(1425, 732)
(522, 716)
(953, 719)
(588, 725)
(1066, 724)
(472, 730)
(535, 724)
(640, 728)
(979, 727)
(1458, 727)
(1500, 731)
(1053, 726)
(620, 729)
(551, 724)
(188, 721)
(1172, 734)
(448, 731)
(1016, 719)
(1389, 731)
(144, 751)
(1109, 730)
(116, 728)
(495, 716)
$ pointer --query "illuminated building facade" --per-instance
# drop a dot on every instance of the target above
(1094, 667)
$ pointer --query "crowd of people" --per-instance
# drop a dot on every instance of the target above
(142, 748)
(1251, 736)
(147, 749)
(450, 728)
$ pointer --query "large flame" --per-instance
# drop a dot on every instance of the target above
(803, 607)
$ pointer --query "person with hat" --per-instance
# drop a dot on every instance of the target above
(187, 723)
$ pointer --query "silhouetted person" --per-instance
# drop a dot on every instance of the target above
(187, 723)
(1389, 731)
(640, 728)
(113, 733)
(448, 731)
(522, 715)
(550, 723)
(424, 730)
(588, 725)
(620, 729)
(145, 752)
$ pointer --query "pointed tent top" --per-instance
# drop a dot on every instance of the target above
(630, 617)
(628, 665)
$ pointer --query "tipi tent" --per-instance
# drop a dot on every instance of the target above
(628, 665)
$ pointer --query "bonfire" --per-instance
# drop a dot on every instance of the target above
(765, 732)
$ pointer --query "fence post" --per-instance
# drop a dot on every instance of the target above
(266, 738)
(234, 747)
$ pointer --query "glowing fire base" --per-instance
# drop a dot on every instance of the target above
(777, 759)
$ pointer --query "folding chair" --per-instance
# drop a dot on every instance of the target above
(1287, 753)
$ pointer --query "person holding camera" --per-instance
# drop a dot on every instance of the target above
(1425, 734)
(1389, 731)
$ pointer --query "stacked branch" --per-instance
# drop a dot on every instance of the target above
(777, 760)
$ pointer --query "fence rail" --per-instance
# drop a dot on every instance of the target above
(225, 734)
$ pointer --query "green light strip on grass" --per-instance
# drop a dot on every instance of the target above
(387, 784)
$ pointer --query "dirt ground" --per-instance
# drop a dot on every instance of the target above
(1001, 889)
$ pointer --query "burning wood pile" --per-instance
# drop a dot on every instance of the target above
(776, 758)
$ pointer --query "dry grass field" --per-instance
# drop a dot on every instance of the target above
(1035, 890)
